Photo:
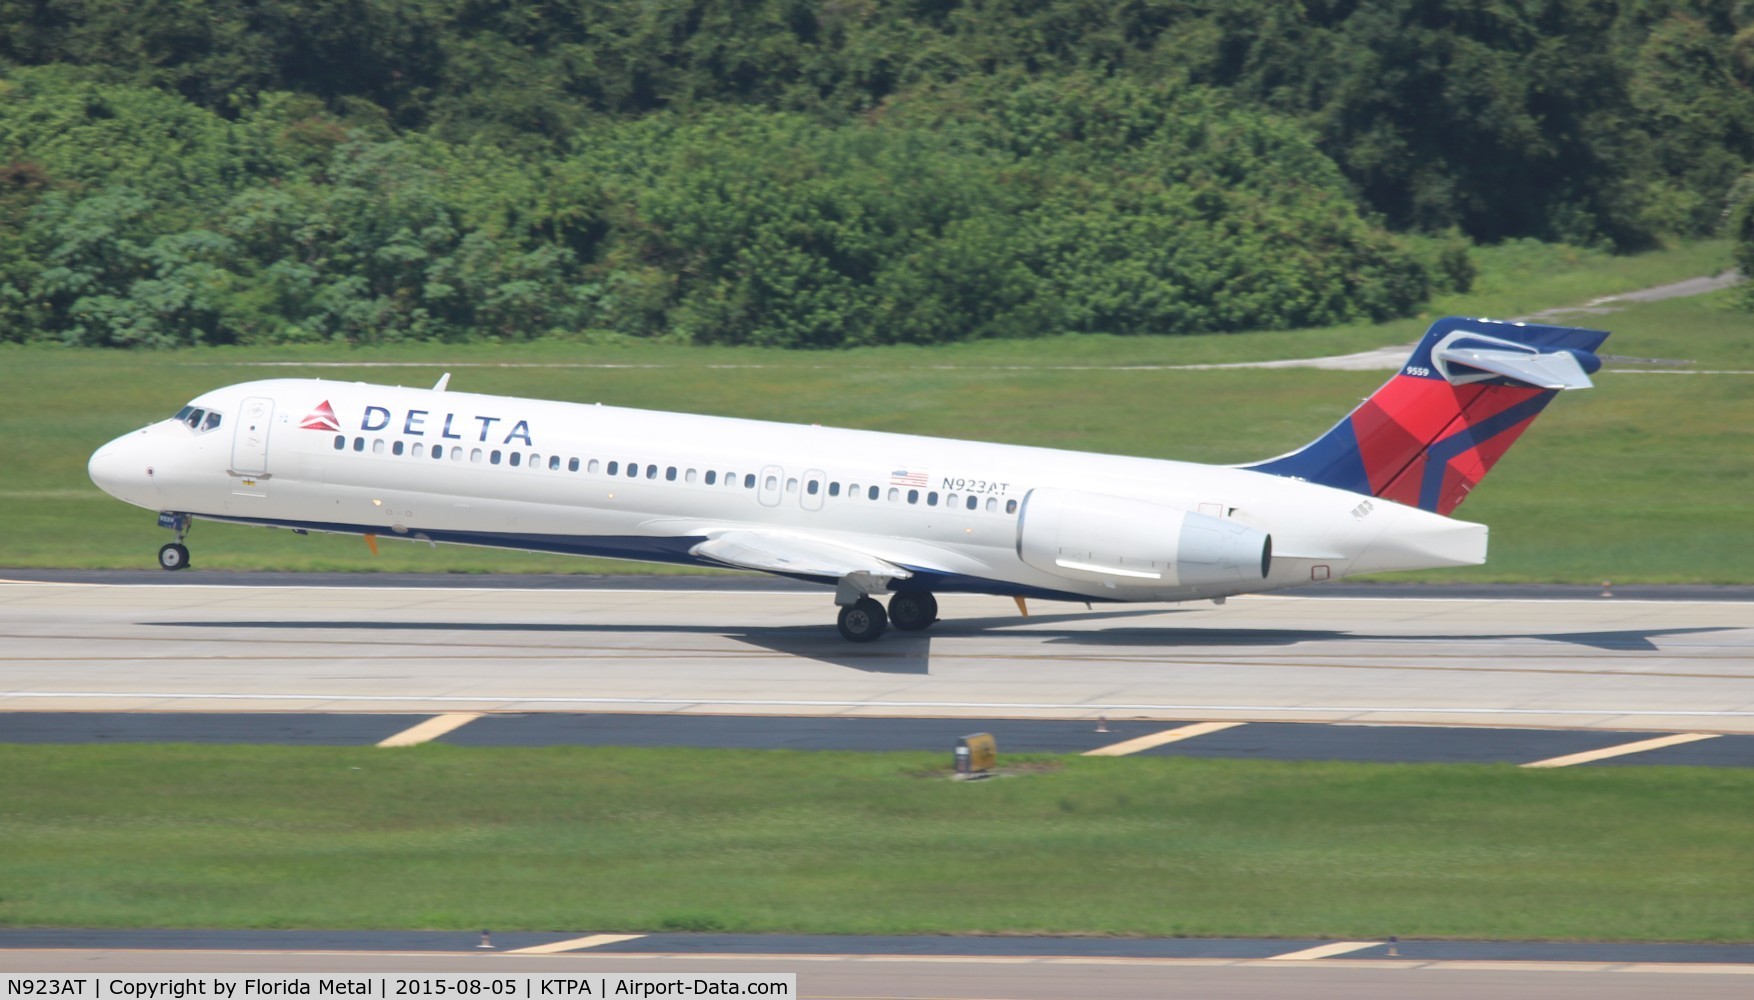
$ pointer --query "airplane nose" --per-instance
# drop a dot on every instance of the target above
(121, 470)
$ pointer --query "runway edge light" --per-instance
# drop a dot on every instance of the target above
(975, 755)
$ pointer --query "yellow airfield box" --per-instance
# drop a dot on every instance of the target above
(976, 754)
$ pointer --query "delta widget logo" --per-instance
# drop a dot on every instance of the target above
(321, 419)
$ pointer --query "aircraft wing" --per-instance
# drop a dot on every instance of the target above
(795, 555)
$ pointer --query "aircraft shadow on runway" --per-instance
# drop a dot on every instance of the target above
(910, 653)
(897, 653)
(1624, 640)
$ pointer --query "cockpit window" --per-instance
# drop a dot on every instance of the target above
(197, 418)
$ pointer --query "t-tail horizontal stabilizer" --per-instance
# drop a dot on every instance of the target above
(1434, 430)
(1464, 356)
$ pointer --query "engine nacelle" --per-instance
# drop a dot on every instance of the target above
(1093, 536)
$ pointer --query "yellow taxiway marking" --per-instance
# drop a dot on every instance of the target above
(431, 729)
(1622, 750)
(1323, 951)
(576, 944)
(1175, 735)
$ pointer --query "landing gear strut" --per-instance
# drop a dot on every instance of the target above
(912, 610)
(862, 621)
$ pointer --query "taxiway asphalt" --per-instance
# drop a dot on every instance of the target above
(939, 968)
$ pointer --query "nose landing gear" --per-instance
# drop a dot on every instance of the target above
(174, 555)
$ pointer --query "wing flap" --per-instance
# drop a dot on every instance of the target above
(796, 555)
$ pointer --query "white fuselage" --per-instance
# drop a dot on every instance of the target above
(533, 474)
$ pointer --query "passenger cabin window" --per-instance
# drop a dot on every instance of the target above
(554, 463)
(873, 493)
(614, 468)
(974, 503)
(595, 465)
(516, 458)
(340, 442)
(932, 499)
(749, 481)
(1010, 506)
(712, 476)
(572, 465)
(494, 456)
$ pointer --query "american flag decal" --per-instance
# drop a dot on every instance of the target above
(902, 477)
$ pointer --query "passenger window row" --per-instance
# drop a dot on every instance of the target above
(669, 474)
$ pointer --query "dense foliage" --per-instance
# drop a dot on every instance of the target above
(829, 173)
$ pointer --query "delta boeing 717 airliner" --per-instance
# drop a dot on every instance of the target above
(863, 512)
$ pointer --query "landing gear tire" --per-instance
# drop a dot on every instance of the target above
(912, 610)
(174, 555)
(862, 621)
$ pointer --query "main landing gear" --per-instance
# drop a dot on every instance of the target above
(864, 620)
(912, 610)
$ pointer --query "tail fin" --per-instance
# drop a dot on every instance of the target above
(1470, 389)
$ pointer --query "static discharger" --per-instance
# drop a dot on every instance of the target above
(975, 755)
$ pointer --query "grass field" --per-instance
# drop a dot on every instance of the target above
(642, 840)
(1644, 479)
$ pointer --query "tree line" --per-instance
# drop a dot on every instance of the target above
(819, 174)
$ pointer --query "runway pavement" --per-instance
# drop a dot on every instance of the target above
(1617, 664)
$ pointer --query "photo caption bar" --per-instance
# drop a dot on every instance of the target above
(404, 986)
